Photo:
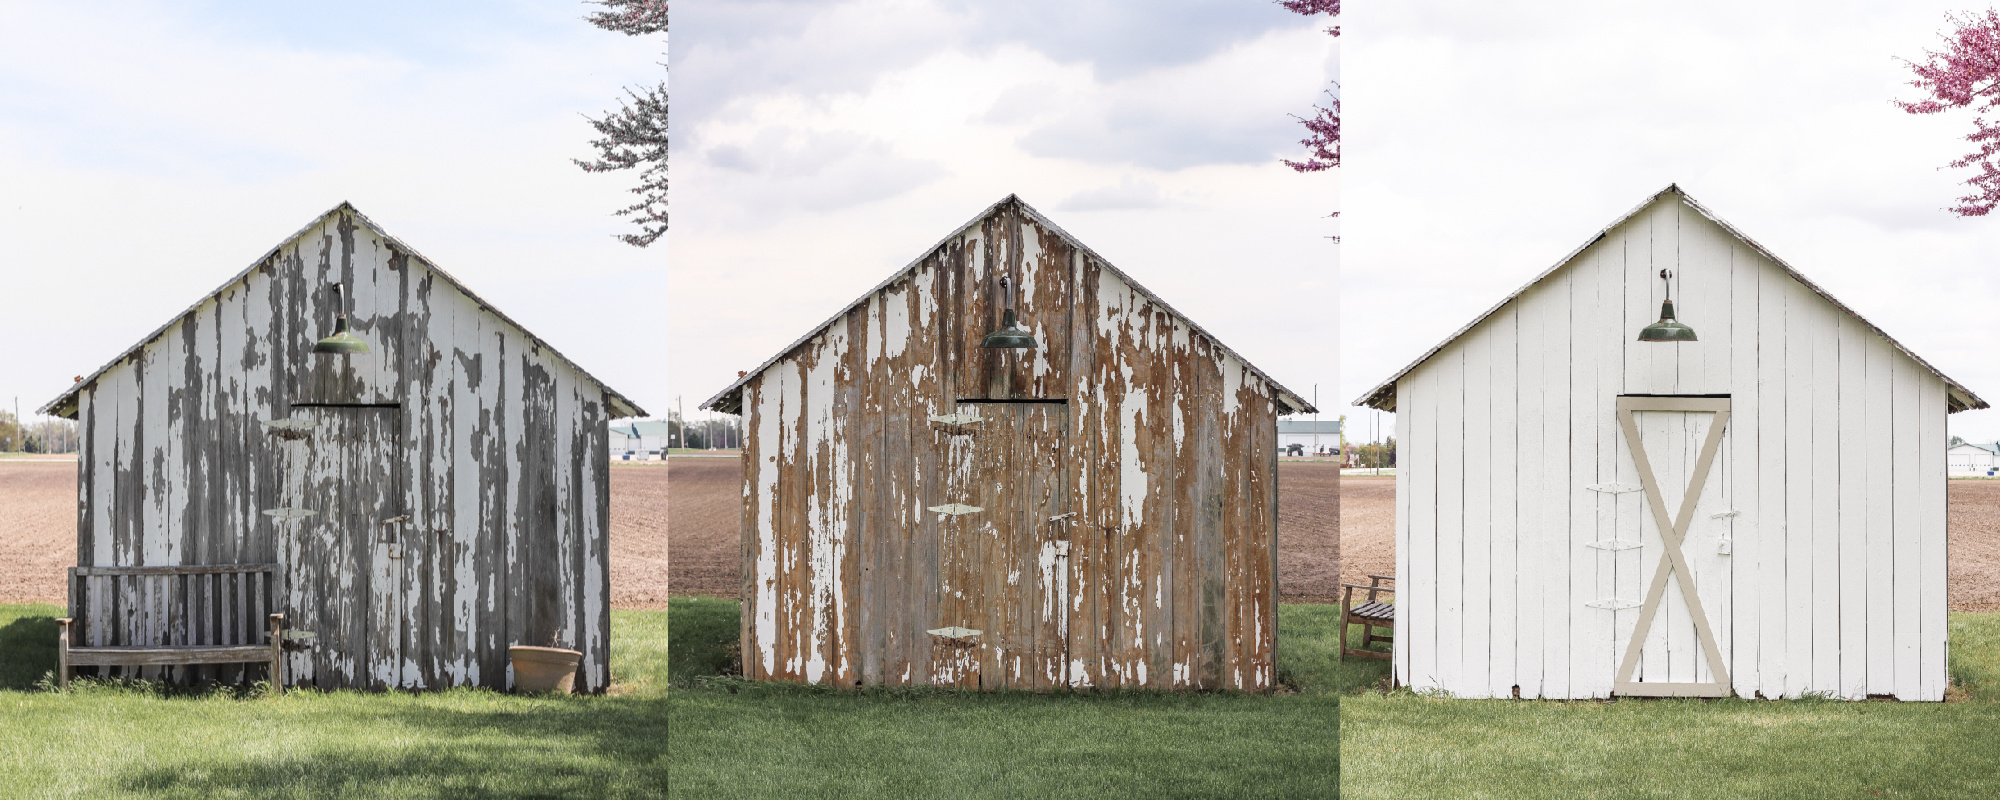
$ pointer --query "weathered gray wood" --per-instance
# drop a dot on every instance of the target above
(175, 569)
(156, 656)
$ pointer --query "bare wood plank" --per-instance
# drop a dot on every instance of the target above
(156, 656)
(178, 569)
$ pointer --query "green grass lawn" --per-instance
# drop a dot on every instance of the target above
(735, 739)
(670, 715)
(121, 741)
(1398, 745)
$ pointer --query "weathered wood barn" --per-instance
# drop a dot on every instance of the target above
(1099, 510)
(427, 503)
(1593, 502)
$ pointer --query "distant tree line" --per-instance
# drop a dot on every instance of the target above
(707, 434)
(1374, 455)
(46, 436)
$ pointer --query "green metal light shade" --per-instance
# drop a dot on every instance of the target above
(1667, 329)
(1010, 335)
(341, 342)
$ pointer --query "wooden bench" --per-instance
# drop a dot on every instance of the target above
(159, 616)
(1371, 614)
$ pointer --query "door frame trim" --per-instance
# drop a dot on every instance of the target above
(1672, 531)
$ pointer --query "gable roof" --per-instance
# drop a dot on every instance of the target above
(65, 404)
(1993, 448)
(730, 399)
(1957, 397)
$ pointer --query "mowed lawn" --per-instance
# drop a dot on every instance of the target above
(1398, 745)
(673, 727)
(120, 741)
(736, 739)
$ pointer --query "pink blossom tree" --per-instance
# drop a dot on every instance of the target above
(635, 136)
(1967, 74)
(1322, 140)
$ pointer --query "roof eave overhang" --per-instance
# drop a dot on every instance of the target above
(1957, 397)
(65, 405)
(730, 399)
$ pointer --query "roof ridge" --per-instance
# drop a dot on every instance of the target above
(53, 406)
(1036, 215)
(1374, 398)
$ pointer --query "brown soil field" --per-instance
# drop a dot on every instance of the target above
(708, 558)
(38, 532)
(37, 528)
(1368, 535)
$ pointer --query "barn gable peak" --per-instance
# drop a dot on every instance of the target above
(1383, 396)
(65, 405)
(729, 400)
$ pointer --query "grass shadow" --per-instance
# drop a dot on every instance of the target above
(464, 743)
(27, 645)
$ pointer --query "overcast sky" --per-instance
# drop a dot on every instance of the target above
(148, 152)
(821, 147)
(1486, 142)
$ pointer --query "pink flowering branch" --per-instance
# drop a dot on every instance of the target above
(1330, 8)
(635, 136)
(1967, 74)
(1322, 140)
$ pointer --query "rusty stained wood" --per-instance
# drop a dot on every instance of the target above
(1167, 458)
(489, 442)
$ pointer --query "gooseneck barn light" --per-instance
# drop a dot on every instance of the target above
(1010, 335)
(341, 342)
(1667, 329)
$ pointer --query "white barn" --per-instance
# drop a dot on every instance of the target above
(1529, 539)
(1970, 459)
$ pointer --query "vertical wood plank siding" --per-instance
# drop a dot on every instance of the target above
(1827, 492)
(1166, 464)
(496, 449)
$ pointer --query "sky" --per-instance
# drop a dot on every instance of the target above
(1484, 142)
(150, 151)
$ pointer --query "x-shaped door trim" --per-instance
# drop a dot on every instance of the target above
(1672, 531)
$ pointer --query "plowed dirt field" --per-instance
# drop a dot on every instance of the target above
(695, 514)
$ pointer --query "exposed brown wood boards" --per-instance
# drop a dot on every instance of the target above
(1111, 524)
(457, 471)
(1524, 546)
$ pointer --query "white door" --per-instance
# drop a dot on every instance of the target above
(1677, 447)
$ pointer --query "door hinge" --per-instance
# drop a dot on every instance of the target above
(289, 513)
(955, 509)
(954, 632)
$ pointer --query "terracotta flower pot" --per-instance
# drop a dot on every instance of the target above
(543, 669)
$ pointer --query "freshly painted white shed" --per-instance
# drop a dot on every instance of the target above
(1529, 540)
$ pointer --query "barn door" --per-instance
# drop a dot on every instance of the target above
(1003, 558)
(340, 505)
(1677, 446)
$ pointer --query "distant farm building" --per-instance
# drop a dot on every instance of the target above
(1304, 437)
(427, 503)
(639, 441)
(1749, 498)
(1099, 510)
(1969, 459)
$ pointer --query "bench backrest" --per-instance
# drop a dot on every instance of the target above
(216, 604)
